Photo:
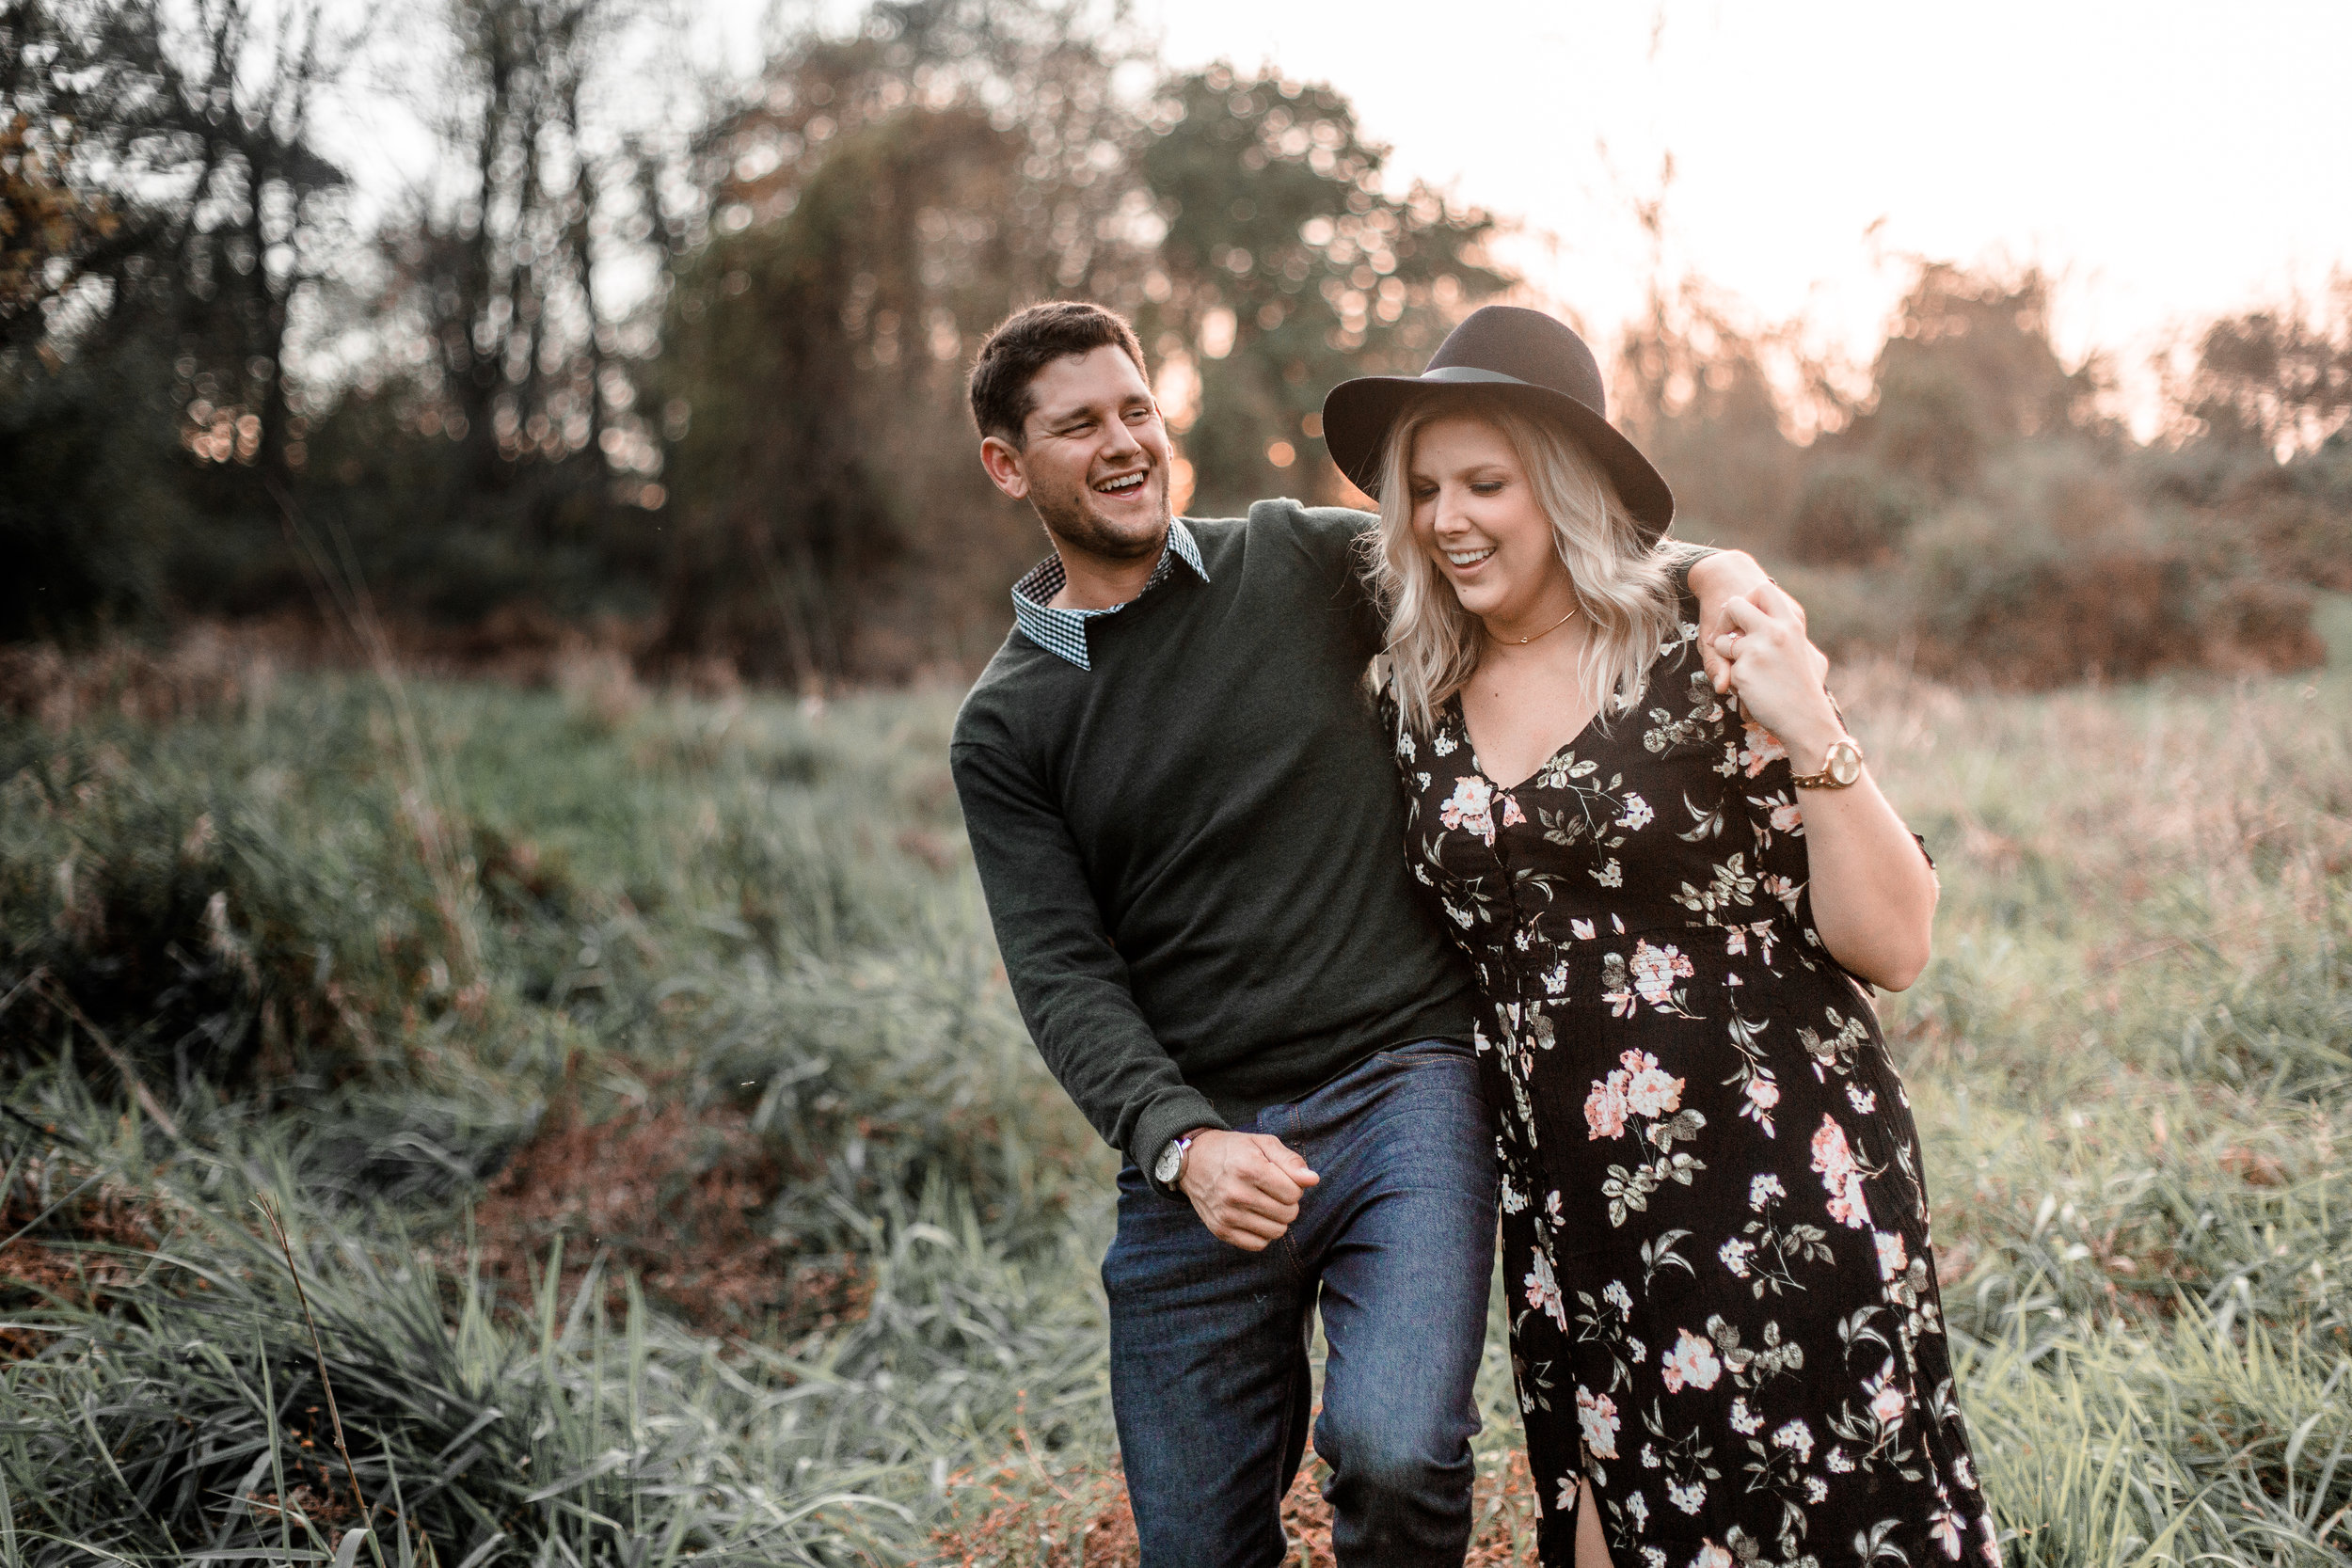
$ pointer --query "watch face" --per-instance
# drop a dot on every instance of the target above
(1845, 763)
(1165, 1167)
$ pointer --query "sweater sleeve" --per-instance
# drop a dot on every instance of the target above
(1066, 977)
(1339, 540)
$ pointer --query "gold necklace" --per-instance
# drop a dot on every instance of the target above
(1531, 637)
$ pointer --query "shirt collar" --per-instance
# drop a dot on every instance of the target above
(1063, 632)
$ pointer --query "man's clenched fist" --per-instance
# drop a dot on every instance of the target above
(1244, 1186)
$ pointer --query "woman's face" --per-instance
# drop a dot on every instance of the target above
(1476, 515)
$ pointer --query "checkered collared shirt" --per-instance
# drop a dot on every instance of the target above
(1064, 631)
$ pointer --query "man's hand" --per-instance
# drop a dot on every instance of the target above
(1244, 1186)
(1717, 580)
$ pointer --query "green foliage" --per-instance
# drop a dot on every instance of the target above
(877, 212)
(1285, 269)
(2130, 1061)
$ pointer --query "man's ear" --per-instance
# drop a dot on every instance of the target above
(1002, 460)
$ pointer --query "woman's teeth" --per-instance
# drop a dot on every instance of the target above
(1468, 558)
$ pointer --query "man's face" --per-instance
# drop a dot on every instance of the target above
(1095, 457)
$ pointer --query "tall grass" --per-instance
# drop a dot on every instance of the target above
(753, 922)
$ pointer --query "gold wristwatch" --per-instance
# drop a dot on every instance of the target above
(1841, 765)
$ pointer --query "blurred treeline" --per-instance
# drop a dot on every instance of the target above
(694, 372)
(1972, 505)
(675, 361)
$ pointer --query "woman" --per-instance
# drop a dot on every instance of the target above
(1724, 1323)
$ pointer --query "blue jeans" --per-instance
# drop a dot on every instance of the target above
(1210, 1380)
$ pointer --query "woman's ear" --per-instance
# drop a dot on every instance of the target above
(1002, 460)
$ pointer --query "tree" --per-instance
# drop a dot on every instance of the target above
(164, 200)
(1284, 269)
(2278, 381)
(880, 202)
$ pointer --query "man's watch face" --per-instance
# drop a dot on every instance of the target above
(1171, 1159)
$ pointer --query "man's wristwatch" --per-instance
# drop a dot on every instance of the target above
(1840, 766)
(1168, 1168)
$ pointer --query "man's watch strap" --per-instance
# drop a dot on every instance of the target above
(1168, 1169)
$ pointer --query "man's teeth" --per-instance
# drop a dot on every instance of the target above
(1121, 486)
(1468, 558)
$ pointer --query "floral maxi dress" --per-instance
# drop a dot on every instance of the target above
(1724, 1305)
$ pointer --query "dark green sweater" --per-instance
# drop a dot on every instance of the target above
(1193, 852)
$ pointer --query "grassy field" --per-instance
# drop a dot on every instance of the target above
(668, 1174)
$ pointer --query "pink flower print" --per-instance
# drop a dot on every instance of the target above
(1798, 1439)
(1893, 1259)
(1605, 1107)
(1471, 808)
(1762, 1092)
(1712, 1556)
(1735, 941)
(1637, 813)
(1788, 819)
(1888, 1400)
(1759, 748)
(1735, 1256)
(1580, 929)
(1648, 1092)
(1691, 1361)
(1543, 1291)
(1846, 1204)
(1598, 1414)
(1656, 970)
(1834, 1161)
(1512, 816)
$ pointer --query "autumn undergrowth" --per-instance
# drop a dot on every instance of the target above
(670, 1176)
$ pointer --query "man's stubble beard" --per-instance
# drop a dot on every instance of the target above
(1071, 521)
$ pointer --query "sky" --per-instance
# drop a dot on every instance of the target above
(2169, 161)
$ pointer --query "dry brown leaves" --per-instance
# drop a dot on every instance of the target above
(61, 1220)
(1082, 1519)
(675, 1197)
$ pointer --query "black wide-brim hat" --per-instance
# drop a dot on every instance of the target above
(1524, 355)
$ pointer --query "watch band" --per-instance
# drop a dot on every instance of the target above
(1827, 778)
(1183, 1148)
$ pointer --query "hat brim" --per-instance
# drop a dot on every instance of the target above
(1358, 416)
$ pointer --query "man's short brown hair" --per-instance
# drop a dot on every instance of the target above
(1024, 343)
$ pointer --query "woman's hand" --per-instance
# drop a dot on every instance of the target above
(1778, 673)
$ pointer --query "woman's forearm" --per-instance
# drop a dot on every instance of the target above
(1873, 892)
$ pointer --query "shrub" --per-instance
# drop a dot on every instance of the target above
(1853, 514)
(2059, 573)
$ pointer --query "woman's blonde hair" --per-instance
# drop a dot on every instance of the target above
(1624, 586)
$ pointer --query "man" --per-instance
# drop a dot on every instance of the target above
(1190, 836)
